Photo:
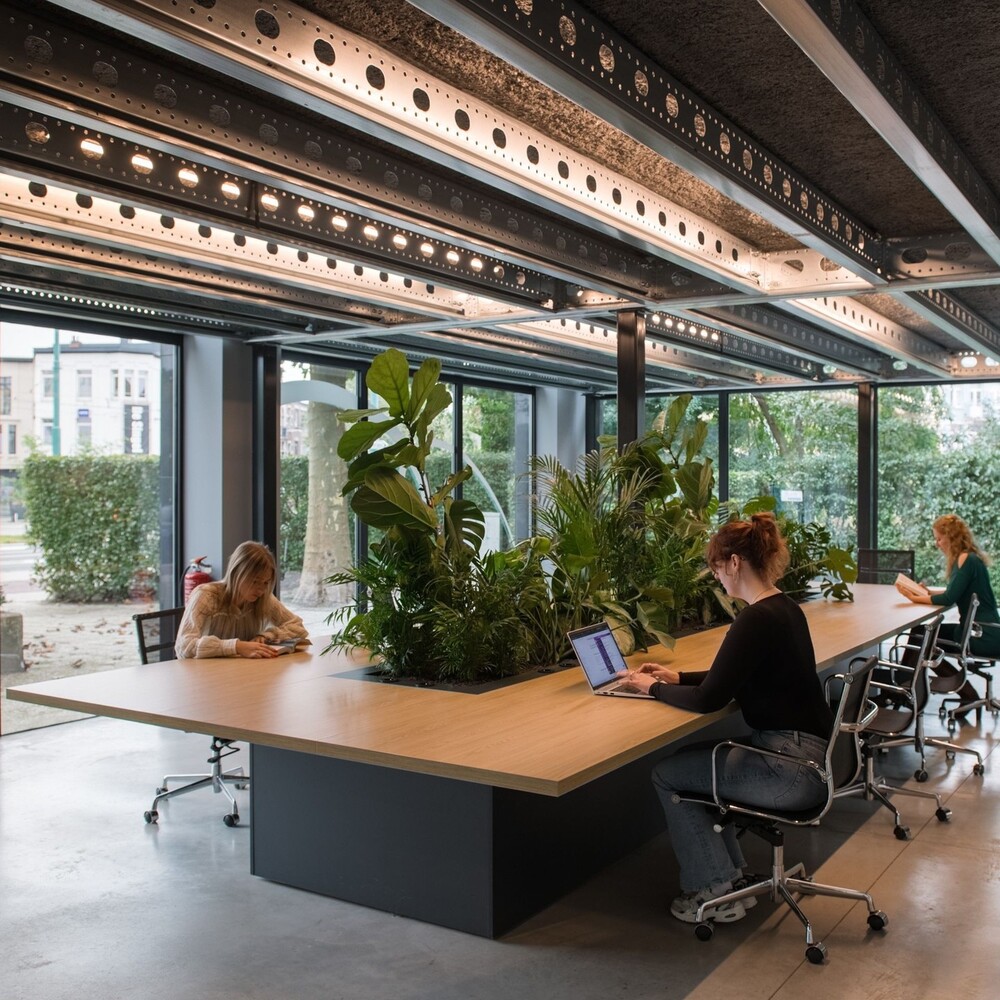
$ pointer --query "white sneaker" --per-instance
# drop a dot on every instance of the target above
(685, 907)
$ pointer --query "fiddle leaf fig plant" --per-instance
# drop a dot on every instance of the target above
(431, 604)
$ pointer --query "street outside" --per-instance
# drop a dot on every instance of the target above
(63, 640)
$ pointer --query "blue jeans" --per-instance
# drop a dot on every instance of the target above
(709, 860)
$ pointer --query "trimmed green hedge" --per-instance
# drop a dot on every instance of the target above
(96, 520)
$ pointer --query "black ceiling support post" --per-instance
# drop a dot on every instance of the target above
(631, 376)
(867, 466)
(267, 447)
(457, 434)
(592, 417)
(722, 484)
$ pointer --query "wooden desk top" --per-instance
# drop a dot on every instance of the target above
(548, 735)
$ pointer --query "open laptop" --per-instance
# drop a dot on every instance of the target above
(601, 659)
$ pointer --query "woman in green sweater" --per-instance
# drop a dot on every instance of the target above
(965, 565)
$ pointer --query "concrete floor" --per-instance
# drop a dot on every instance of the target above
(95, 905)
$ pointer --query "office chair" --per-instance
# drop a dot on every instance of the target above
(840, 767)
(968, 663)
(907, 685)
(156, 632)
(882, 565)
(891, 726)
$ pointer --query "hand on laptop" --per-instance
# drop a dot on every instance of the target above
(647, 675)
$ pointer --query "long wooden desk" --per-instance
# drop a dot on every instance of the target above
(468, 810)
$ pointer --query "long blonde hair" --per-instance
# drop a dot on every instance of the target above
(248, 561)
(958, 539)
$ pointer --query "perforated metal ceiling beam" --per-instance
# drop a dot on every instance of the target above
(958, 320)
(843, 43)
(562, 45)
(120, 96)
(290, 52)
(858, 322)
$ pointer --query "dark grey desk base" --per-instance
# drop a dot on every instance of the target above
(467, 856)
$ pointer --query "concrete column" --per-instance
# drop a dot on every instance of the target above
(217, 462)
(561, 428)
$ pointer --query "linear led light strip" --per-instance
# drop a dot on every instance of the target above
(317, 215)
(834, 358)
(102, 219)
(737, 370)
(343, 76)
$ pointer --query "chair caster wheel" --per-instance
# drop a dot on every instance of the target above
(920, 774)
(942, 712)
(949, 755)
(952, 726)
(816, 953)
(151, 816)
(979, 769)
(161, 789)
(704, 932)
(231, 819)
(943, 814)
(902, 832)
(878, 921)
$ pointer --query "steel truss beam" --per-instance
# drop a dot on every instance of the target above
(160, 110)
(842, 42)
(958, 320)
(291, 53)
(565, 47)
(234, 258)
(764, 325)
(858, 322)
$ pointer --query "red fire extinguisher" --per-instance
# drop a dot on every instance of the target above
(198, 572)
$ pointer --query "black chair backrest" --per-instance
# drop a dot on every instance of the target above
(967, 625)
(852, 712)
(929, 655)
(882, 565)
(156, 632)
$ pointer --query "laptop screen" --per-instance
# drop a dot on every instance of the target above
(598, 653)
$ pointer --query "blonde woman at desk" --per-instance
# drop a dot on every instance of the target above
(965, 569)
(239, 615)
(766, 663)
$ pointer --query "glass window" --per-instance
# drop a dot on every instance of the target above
(938, 453)
(84, 383)
(11, 439)
(140, 378)
(5, 395)
(801, 448)
(102, 520)
(48, 384)
(496, 443)
(317, 529)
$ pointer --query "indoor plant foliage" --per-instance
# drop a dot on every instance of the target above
(628, 530)
(431, 605)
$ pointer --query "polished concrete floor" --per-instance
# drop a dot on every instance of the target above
(95, 905)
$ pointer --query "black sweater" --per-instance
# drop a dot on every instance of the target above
(767, 665)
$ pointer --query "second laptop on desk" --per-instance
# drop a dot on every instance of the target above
(602, 660)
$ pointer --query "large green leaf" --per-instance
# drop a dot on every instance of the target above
(464, 525)
(361, 436)
(389, 377)
(390, 498)
(450, 483)
(424, 380)
(695, 480)
(438, 400)
(353, 416)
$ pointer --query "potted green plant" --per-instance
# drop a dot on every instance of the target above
(431, 604)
